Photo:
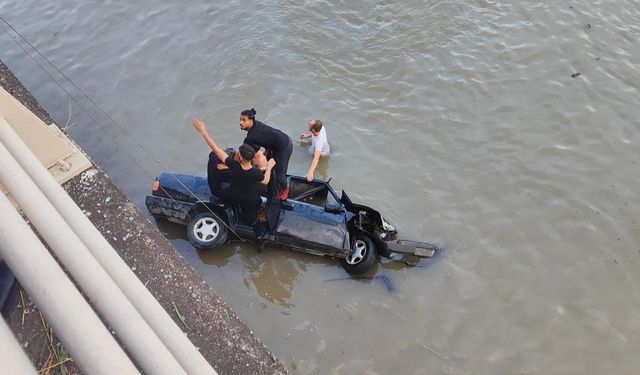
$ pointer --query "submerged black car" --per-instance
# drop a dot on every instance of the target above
(314, 219)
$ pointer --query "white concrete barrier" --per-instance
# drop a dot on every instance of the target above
(91, 345)
(143, 344)
(12, 358)
(170, 334)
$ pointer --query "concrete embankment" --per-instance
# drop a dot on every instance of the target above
(225, 341)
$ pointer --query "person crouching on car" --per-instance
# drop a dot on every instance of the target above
(278, 145)
(218, 175)
(246, 180)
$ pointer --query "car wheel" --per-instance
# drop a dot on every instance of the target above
(206, 231)
(363, 255)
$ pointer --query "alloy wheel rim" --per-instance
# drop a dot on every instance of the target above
(359, 252)
(206, 229)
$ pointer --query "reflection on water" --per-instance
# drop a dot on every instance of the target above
(273, 278)
(382, 279)
(219, 256)
(271, 272)
(170, 230)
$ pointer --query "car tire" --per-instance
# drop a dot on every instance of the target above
(206, 231)
(364, 255)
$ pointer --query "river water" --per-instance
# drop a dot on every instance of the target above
(459, 120)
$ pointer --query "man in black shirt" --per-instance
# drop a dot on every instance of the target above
(246, 180)
(278, 145)
(218, 174)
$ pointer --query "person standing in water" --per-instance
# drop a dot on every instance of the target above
(319, 145)
(277, 144)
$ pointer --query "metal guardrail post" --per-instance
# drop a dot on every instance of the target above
(170, 334)
(93, 348)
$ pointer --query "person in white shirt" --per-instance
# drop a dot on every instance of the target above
(319, 145)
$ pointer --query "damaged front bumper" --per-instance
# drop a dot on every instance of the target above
(410, 248)
(419, 249)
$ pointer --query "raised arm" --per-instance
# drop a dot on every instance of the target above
(267, 173)
(199, 126)
(312, 167)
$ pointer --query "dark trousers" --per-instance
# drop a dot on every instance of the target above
(249, 205)
(215, 177)
(282, 164)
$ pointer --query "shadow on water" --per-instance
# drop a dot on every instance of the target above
(371, 277)
(272, 272)
(383, 279)
(171, 231)
(272, 277)
(219, 256)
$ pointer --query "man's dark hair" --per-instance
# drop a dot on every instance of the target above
(230, 152)
(249, 113)
(247, 151)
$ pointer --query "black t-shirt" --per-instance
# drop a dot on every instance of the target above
(261, 135)
(244, 183)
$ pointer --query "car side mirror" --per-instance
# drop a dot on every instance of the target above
(334, 208)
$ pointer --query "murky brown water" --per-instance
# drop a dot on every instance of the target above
(459, 120)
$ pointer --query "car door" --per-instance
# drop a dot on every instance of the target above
(311, 226)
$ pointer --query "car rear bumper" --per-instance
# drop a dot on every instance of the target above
(169, 208)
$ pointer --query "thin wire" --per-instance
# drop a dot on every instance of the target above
(89, 114)
(198, 200)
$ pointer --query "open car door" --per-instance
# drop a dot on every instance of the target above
(313, 218)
